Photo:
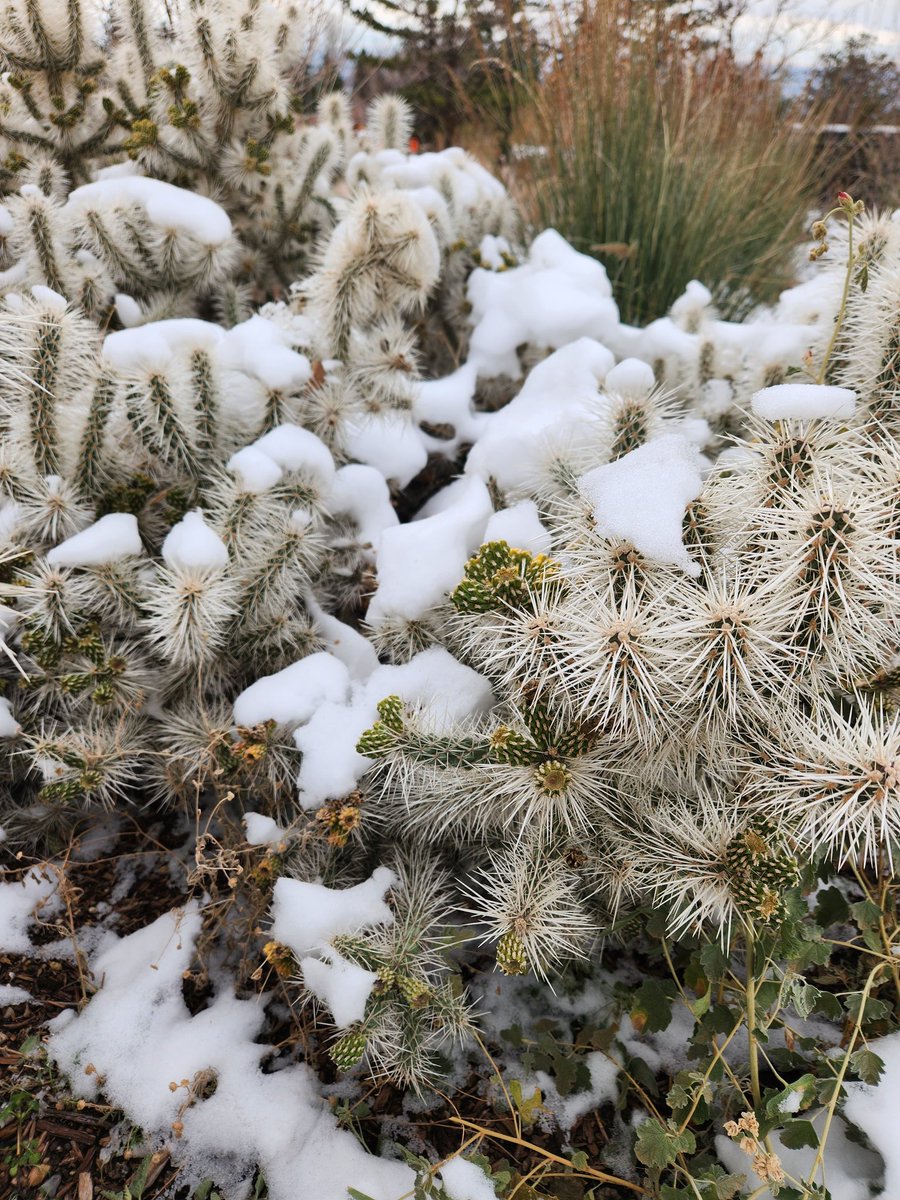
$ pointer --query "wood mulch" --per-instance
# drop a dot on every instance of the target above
(84, 1151)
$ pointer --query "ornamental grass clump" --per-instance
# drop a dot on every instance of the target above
(646, 127)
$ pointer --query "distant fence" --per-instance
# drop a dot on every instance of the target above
(843, 130)
(864, 161)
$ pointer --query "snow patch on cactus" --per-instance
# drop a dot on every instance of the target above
(260, 349)
(804, 402)
(108, 540)
(256, 470)
(9, 726)
(420, 563)
(361, 492)
(296, 449)
(340, 985)
(557, 296)
(389, 443)
(293, 695)
(642, 498)
(559, 397)
(166, 206)
(433, 681)
(519, 526)
(192, 545)
(306, 916)
(261, 830)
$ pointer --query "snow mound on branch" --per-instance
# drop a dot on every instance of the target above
(307, 915)
(432, 680)
(554, 298)
(168, 207)
(108, 540)
(803, 402)
(643, 495)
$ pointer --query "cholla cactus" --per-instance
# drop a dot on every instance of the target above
(691, 700)
(415, 1006)
(157, 564)
(685, 663)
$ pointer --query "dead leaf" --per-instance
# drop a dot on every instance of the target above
(616, 249)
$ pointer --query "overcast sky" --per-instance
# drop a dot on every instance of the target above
(801, 30)
(807, 27)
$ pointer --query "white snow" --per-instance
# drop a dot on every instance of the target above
(569, 1109)
(491, 250)
(449, 401)
(49, 298)
(306, 916)
(331, 767)
(558, 399)
(433, 681)
(128, 310)
(19, 901)
(419, 563)
(340, 985)
(10, 515)
(554, 298)
(261, 349)
(346, 643)
(256, 471)
(153, 346)
(138, 1035)
(192, 545)
(519, 526)
(692, 304)
(362, 493)
(296, 449)
(464, 1180)
(630, 377)
(875, 1110)
(168, 207)
(9, 726)
(108, 540)
(293, 694)
(804, 402)
(9, 994)
(849, 1168)
(388, 442)
(643, 495)
(261, 830)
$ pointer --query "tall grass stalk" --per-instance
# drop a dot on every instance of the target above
(667, 160)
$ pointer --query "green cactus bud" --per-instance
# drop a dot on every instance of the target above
(390, 709)
(103, 694)
(66, 791)
(387, 976)
(90, 779)
(348, 1050)
(499, 577)
(413, 991)
(376, 742)
(75, 683)
(511, 956)
(760, 869)
(507, 746)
